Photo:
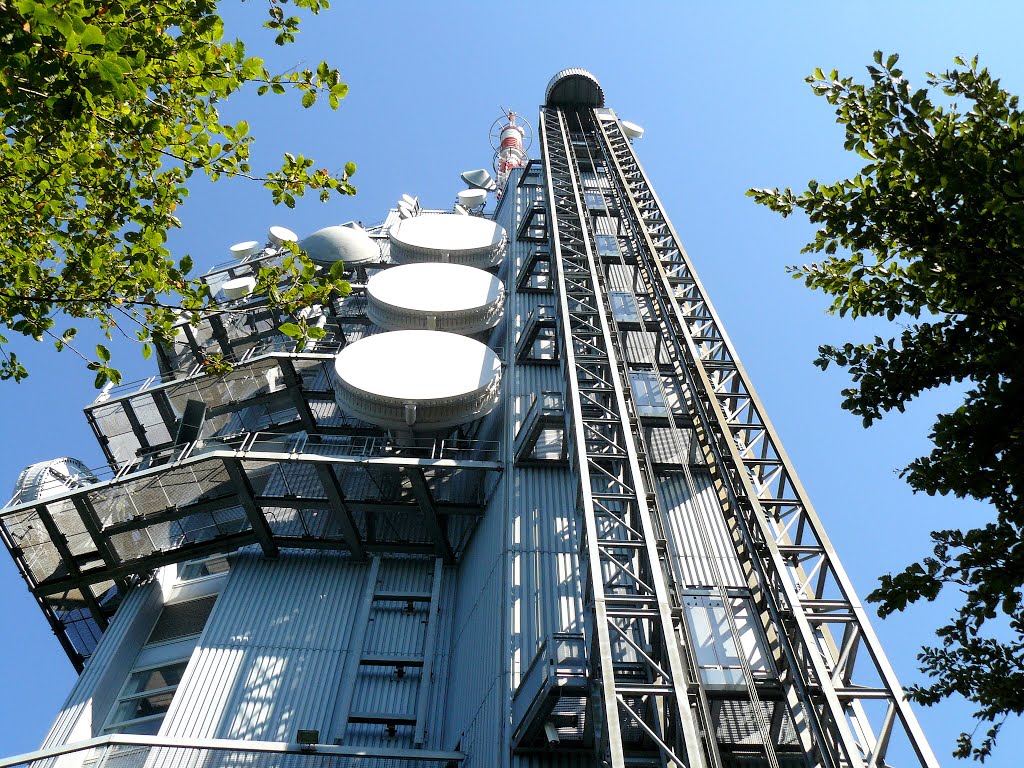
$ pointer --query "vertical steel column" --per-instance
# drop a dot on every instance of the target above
(647, 718)
(805, 593)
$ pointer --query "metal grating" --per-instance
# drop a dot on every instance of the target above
(179, 620)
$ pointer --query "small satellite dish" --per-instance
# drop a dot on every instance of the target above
(239, 287)
(408, 206)
(472, 198)
(280, 235)
(244, 250)
(632, 130)
(478, 179)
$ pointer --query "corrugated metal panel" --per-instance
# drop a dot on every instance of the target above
(697, 531)
(87, 705)
(623, 277)
(490, 598)
(269, 660)
(474, 710)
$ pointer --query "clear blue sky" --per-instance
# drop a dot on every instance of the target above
(719, 88)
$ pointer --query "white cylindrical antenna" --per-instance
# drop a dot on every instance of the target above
(242, 251)
(472, 198)
(632, 130)
(280, 235)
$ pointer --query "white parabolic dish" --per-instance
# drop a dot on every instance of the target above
(460, 299)
(471, 240)
(420, 379)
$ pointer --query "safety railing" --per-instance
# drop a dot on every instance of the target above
(124, 751)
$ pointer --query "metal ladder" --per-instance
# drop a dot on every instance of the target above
(803, 593)
(359, 658)
(646, 718)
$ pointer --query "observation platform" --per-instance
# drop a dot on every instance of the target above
(273, 388)
(79, 550)
(127, 751)
(240, 325)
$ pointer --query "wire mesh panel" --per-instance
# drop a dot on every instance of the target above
(135, 755)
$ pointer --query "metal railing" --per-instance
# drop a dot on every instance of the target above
(124, 751)
(266, 348)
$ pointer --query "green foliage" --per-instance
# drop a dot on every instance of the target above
(930, 235)
(108, 109)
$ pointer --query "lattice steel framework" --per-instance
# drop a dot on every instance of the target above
(647, 719)
(840, 689)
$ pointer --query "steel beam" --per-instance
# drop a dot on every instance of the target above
(340, 511)
(761, 493)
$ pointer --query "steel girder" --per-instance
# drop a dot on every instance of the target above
(831, 662)
(647, 719)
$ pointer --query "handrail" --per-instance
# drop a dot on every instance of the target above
(361, 448)
(316, 752)
(267, 348)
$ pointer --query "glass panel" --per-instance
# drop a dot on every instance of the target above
(647, 394)
(144, 706)
(150, 727)
(702, 634)
(624, 308)
(198, 569)
(715, 645)
(153, 679)
(607, 245)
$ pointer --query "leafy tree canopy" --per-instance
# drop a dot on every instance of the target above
(108, 108)
(930, 235)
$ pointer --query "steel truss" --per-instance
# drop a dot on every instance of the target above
(839, 686)
(647, 718)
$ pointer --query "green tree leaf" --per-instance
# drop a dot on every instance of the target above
(929, 235)
(113, 113)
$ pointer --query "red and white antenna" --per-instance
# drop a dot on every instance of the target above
(510, 141)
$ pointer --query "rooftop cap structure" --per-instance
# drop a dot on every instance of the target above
(417, 380)
(436, 297)
(340, 243)
(574, 87)
(47, 478)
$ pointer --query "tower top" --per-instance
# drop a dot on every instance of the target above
(574, 87)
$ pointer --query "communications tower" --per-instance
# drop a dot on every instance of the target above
(517, 504)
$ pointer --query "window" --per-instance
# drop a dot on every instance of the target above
(145, 699)
(541, 436)
(624, 308)
(647, 393)
(180, 620)
(538, 342)
(607, 246)
(200, 569)
(149, 690)
(715, 646)
(594, 200)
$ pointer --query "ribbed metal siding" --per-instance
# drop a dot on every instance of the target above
(270, 658)
(519, 579)
(688, 512)
(87, 705)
